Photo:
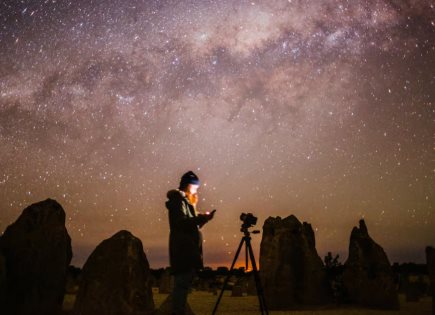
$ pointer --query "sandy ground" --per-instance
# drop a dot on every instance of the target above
(203, 303)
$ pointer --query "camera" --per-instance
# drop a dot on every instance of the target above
(248, 220)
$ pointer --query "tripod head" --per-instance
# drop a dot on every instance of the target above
(247, 232)
(248, 220)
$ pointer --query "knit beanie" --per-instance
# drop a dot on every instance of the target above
(189, 178)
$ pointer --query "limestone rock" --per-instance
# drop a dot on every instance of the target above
(292, 273)
(37, 252)
(368, 278)
(251, 286)
(2, 279)
(430, 259)
(245, 285)
(116, 279)
(238, 290)
(204, 285)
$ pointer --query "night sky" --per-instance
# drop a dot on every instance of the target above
(321, 109)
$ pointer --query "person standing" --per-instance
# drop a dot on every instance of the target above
(185, 239)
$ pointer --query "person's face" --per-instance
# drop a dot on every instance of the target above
(192, 189)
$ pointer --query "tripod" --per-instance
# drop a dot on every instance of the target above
(248, 254)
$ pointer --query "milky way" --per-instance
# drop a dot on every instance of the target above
(321, 109)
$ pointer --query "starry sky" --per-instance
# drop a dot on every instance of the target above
(321, 109)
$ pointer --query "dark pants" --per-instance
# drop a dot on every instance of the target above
(182, 284)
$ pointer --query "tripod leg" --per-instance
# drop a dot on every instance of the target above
(246, 259)
(228, 276)
(260, 293)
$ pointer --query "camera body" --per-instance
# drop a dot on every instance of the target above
(248, 220)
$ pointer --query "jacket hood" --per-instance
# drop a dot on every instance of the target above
(175, 193)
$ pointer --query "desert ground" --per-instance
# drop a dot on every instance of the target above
(203, 303)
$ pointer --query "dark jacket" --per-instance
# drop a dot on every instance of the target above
(185, 240)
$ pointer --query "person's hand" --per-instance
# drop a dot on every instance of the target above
(210, 215)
